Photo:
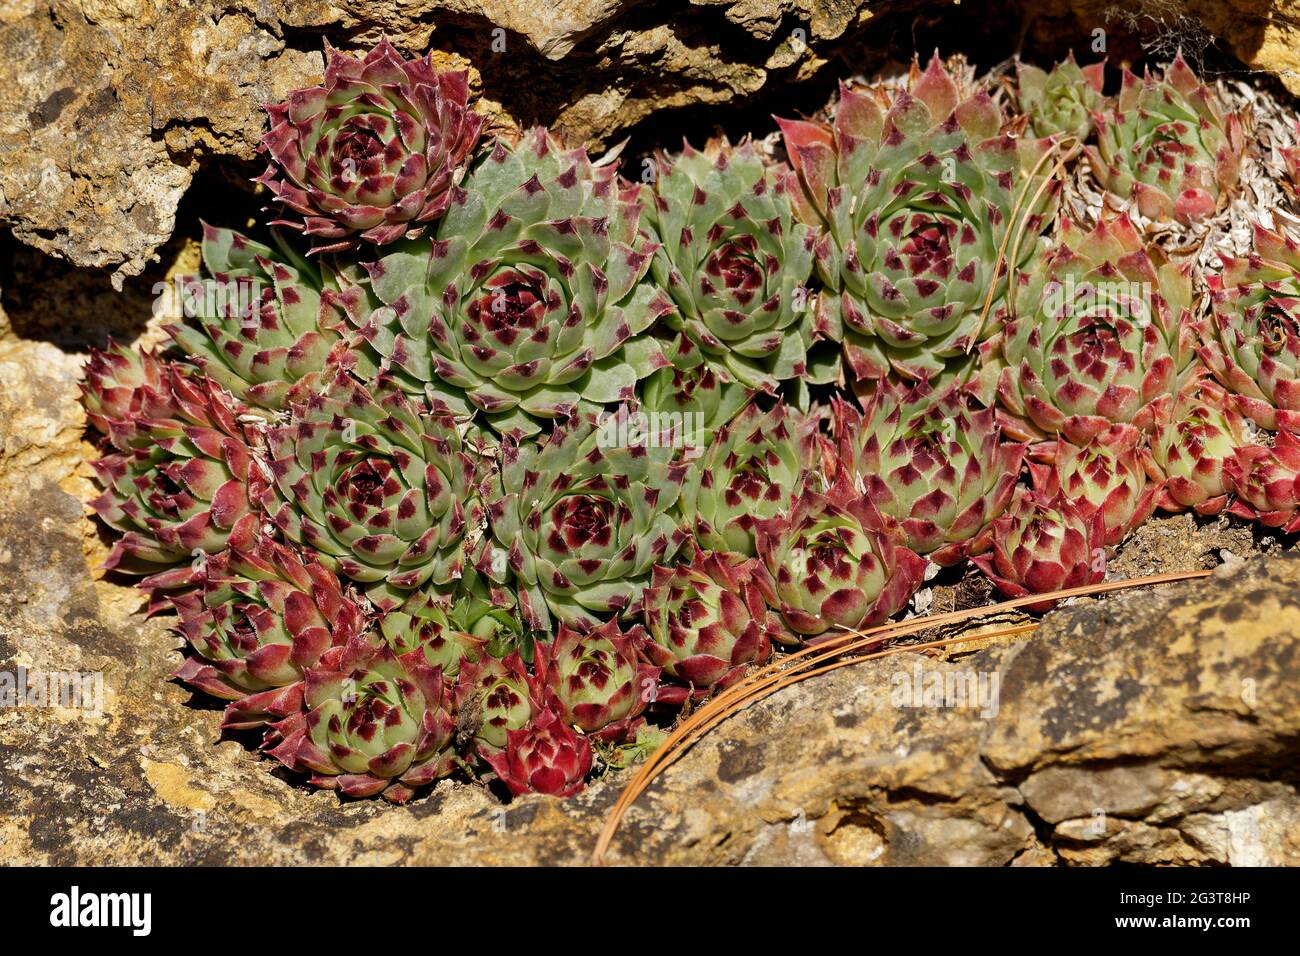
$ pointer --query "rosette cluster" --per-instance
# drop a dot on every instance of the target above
(488, 456)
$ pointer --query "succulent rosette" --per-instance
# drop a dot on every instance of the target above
(598, 681)
(580, 520)
(497, 695)
(930, 461)
(373, 724)
(185, 474)
(260, 616)
(1168, 145)
(836, 562)
(119, 383)
(1062, 100)
(373, 152)
(378, 487)
(529, 297)
(926, 206)
(1109, 474)
(736, 262)
(1100, 332)
(546, 756)
(258, 327)
(752, 470)
(1266, 481)
(708, 620)
(1043, 544)
(1194, 438)
(1251, 342)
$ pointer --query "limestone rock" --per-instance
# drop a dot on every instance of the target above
(106, 107)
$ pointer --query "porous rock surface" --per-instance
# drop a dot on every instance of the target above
(1151, 727)
(109, 109)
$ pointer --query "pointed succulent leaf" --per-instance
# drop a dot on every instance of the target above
(1108, 474)
(121, 382)
(257, 324)
(735, 261)
(185, 474)
(260, 617)
(1062, 100)
(688, 396)
(495, 696)
(1266, 482)
(599, 681)
(580, 519)
(546, 756)
(425, 629)
(1251, 340)
(1194, 438)
(755, 467)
